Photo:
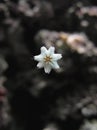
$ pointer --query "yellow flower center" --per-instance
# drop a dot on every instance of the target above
(47, 59)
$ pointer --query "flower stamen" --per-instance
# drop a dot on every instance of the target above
(47, 59)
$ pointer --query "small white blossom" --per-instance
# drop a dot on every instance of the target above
(48, 59)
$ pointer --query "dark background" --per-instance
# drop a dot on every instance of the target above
(65, 99)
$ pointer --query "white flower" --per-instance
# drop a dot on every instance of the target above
(48, 59)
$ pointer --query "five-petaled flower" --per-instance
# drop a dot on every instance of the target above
(48, 59)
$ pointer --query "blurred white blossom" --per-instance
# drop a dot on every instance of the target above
(48, 59)
(89, 125)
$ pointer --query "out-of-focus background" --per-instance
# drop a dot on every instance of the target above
(65, 99)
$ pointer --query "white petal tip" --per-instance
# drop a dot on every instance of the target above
(57, 56)
(47, 70)
(38, 57)
(40, 65)
(60, 56)
(34, 57)
(43, 49)
(52, 47)
(57, 67)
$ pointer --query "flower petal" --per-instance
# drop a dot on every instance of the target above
(55, 65)
(40, 65)
(57, 56)
(43, 50)
(51, 50)
(38, 58)
(47, 68)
